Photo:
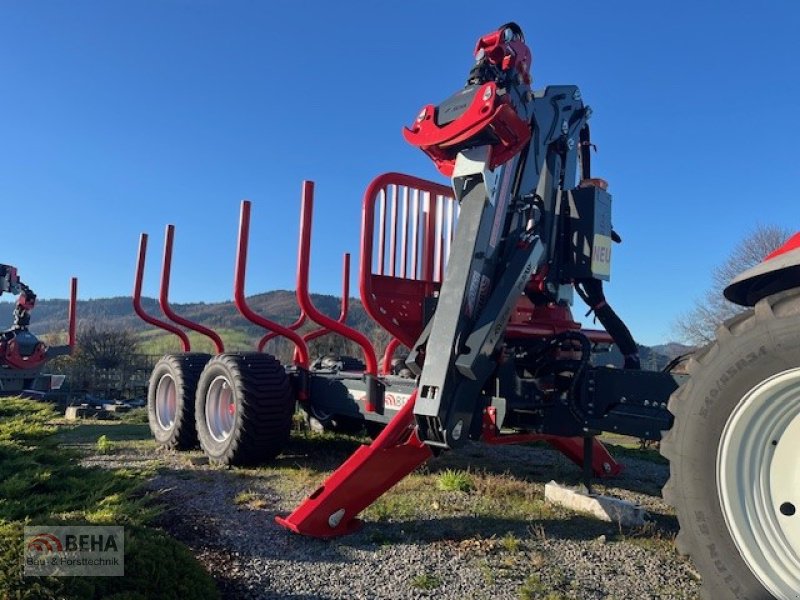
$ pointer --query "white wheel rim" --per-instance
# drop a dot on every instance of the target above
(166, 402)
(758, 479)
(220, 409)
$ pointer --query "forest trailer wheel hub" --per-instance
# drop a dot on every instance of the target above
(220, 409)
(166, 402)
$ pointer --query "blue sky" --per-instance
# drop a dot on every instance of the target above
(118, 117)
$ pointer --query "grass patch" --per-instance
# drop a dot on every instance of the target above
(453, 480)
(42, 483)
(88, 431)
(23, 421)
(487, 573)
(103, 445)
(650, 454)
(479, 494)
(510, 543)
(420, 496)
(251, 499)
(622, 446)
(135, 416)
(532, 588)
(426, 582)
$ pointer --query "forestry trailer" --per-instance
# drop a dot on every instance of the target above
(477, 280)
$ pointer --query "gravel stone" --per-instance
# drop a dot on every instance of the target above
(251, 557)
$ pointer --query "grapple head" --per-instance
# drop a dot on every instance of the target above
(492, 110)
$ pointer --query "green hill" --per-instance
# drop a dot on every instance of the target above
(50, 317)
(117, 313)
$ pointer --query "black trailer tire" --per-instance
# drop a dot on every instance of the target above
(170, 399)
(243, 408)
(735, 418)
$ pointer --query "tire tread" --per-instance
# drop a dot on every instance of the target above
(265, 402)
(767, 313)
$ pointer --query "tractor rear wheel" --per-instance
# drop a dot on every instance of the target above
(243, 408)
(170, 399)
(733, 451)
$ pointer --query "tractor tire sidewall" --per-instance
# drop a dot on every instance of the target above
(184, 370)
(264, 406)
(750, 349)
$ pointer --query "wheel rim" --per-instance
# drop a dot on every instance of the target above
(220, 409)
(166, 402)
(758, 479)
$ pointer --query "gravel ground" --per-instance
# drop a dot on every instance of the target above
(464, 553)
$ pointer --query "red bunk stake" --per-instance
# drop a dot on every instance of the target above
(240, 299)
(318, 333)
(137, 299)
(333, 508)
(163, 297)
(304, 296)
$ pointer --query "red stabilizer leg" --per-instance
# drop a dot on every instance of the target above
(372, 470)
(603, 464)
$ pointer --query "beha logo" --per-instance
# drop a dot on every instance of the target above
(74, 550)
(45, 542)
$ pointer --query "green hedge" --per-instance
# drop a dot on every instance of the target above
(42, 483)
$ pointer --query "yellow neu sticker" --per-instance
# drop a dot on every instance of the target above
(601, 256)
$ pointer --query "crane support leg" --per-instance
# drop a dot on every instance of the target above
(331, 510)
(602, 463)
